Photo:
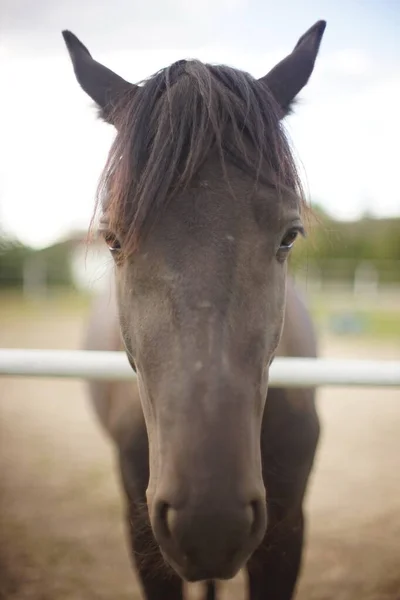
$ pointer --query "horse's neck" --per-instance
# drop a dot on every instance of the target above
(298, 338)
(103, 331)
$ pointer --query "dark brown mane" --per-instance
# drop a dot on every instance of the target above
(167, 128)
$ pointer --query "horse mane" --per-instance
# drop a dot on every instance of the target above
(166, 129)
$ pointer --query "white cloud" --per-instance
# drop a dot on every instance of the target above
(350, 149)
(348, 61)
(52, 147)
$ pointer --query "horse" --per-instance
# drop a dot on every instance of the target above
(200, 204)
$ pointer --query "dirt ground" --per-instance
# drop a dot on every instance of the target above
(61, 527)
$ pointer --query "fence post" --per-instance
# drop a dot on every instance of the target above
(34, 275)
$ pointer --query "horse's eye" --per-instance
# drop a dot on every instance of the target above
(112, 242)
(289, 238)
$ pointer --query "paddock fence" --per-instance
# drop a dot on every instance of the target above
(113, 366)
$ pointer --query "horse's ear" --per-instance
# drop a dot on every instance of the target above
(290, 75)
(104, 86)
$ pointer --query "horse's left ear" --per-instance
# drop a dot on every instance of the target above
(104, 86)
(290, 75)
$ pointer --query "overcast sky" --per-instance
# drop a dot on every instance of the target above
(52, 147)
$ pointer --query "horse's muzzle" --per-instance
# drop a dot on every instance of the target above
(205, 543)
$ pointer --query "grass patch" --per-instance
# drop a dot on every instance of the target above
(339, 314)
(13, 305)
(379, 323)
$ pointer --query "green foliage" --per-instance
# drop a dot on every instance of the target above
(57, 259)
(331, 244)
(335, 248)
(15, 258)
(13, 255)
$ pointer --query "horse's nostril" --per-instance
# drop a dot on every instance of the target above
(163, 518)
(258, 517)
(171, 519)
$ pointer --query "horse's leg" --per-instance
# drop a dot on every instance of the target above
(274, 568)
(289, 440)
(157, 579)
(211, 592)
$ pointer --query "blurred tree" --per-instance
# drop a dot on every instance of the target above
(16, 258)
(369, 239)
(328, 243)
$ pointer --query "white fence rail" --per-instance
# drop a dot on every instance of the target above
(284, 372)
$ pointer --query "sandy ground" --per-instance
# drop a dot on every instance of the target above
(61, 528)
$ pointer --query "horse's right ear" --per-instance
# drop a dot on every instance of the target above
(104, 86)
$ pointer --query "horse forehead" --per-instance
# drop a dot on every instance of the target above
(210, 228)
